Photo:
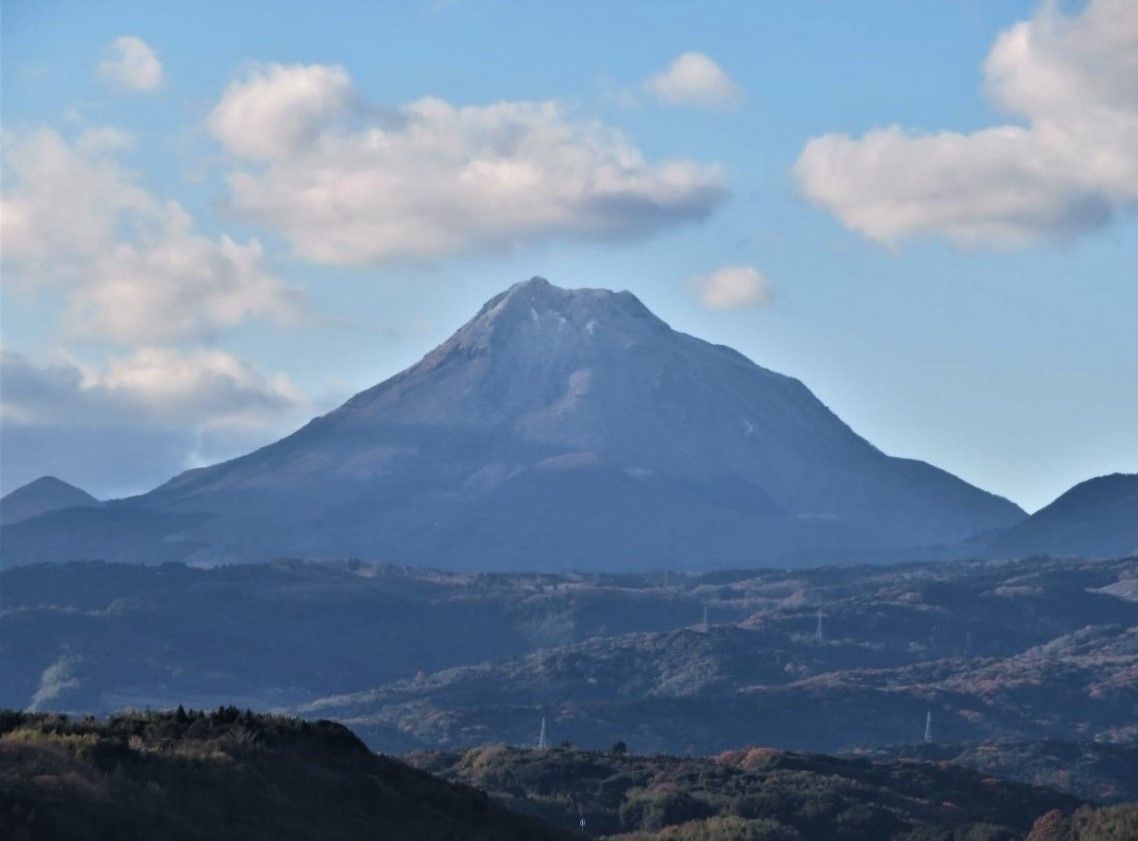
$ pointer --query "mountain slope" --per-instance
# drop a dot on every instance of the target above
(42, 496)
(564, 429)
(1096, 518)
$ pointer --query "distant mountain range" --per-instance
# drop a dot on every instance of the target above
(568, 429)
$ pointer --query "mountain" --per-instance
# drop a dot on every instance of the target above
(41, 496)
(228, 775)
(558, 429)
(1097, 518)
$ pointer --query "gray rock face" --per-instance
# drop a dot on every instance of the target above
(570, 429)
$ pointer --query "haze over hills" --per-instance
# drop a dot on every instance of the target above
(557, 429)
(42, 496)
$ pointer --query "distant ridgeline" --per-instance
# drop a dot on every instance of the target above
(417, 659)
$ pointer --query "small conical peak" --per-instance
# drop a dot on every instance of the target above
(40, 496)
(47, 484)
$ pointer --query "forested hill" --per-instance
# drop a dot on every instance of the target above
(751, 794)
(228, 775)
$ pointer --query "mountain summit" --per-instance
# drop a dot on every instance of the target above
(557, 429)
(41, 496)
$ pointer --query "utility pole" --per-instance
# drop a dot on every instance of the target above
(929, 727)
(541, 735)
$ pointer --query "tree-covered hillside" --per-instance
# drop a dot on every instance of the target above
(227, 775)
(750, 795)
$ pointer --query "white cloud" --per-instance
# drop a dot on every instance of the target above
(348, 184)
(733, 287)
(1068, 168)
(130, 63)
(278, 110)
(694, 79)
(197, 388)
(133, 267)
(140, 418)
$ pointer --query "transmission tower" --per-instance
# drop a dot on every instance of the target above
(929, 727)
(819, 634)
(541, 735)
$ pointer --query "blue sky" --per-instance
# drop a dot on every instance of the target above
(960, 288)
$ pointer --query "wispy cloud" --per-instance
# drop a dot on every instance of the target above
(54, 682)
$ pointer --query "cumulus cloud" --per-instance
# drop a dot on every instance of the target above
(139, 418)
(130, 63)
(277, 111)
(733, 287)
(350, 184)
(1067, 168)
(133, 266)
(694, 79)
